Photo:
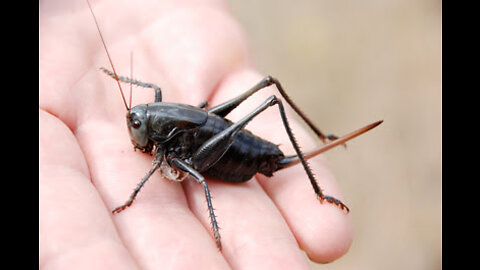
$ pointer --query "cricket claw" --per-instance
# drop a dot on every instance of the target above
(217, 240)
(335, 201)
(119, 209)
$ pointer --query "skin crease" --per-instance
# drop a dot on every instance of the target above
(194, 50)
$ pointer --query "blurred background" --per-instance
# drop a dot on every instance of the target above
(347, 64)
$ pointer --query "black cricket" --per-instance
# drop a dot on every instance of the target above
(201, 142)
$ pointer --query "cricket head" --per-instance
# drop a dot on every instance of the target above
(137, 124)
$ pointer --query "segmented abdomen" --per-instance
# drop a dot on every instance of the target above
(248, 155)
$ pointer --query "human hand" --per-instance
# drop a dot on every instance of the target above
(194, 51)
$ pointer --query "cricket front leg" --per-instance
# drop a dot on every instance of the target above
(156, 164)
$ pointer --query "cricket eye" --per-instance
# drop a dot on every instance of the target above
(136, 123)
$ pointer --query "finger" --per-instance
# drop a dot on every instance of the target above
(251, 227)
(75, 230)
(194, 47)
(322, 230)
(69, 85)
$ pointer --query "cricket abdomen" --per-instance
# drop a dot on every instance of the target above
(248, 155)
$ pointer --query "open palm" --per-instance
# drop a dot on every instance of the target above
(194, 51)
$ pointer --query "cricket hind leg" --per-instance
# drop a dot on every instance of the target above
(226, 107)
(212, 150)
(321, 196)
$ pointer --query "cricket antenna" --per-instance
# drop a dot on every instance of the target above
(109, 58)
(131, 76)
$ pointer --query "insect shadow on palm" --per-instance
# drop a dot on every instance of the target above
(200, 142)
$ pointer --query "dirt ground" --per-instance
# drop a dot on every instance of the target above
(349, 63)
